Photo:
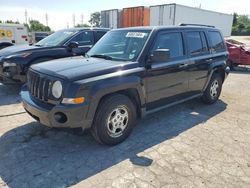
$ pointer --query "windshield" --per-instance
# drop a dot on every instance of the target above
(56, 38)
(123, 45)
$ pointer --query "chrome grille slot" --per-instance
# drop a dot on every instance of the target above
(38, 85)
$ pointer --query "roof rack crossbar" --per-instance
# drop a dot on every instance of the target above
(184, 24)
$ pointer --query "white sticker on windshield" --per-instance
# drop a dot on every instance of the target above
(136, 34)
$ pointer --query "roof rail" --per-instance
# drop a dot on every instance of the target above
(184, 24)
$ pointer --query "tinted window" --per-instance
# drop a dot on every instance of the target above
(196, 43)
(171, 41)
(204, 42)
(216, 41)
(84, 38)
(99, 34)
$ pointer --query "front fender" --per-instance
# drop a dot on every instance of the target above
(113, 85)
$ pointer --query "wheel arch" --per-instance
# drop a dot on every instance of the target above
(130, 87)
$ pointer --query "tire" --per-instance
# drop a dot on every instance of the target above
(114, 120)
(213, 90)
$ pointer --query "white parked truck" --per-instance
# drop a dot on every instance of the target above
(175, 14)
(12, 34)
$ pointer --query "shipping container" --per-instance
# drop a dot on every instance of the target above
(174, 14)
(135, 16)
(111, 18)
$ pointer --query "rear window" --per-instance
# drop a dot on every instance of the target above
(196, 43)
(217, 43)
(99, 34)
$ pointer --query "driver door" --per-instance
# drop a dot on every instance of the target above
(167, 82)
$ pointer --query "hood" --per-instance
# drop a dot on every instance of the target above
(247, 47)
(15, 49)
(76, 68)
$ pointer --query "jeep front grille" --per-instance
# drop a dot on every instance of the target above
(39, 85)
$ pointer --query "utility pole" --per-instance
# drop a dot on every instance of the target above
(82, 19)
(74, 20)
(47, 19)
(26, 16)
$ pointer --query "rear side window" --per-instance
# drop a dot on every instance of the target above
(196, 43)
(217, 43)
(84, 38)
(99, 34)
(171, 41)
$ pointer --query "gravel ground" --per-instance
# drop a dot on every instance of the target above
(189, 145)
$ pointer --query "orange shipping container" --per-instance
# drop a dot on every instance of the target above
(135, 16)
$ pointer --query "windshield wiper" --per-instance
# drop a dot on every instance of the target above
(102, 56)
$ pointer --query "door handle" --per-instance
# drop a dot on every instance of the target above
(183, 65)
(209, 60)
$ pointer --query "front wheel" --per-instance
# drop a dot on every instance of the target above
(114, 120)
(213, 90)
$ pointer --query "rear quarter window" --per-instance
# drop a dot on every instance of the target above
(217, 42)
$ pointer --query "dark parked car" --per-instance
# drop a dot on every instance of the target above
(130, 72)
(15, 60)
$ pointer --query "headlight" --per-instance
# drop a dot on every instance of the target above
(57, 89)
(7, 64)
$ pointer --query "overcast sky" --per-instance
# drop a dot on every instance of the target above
(60, 11)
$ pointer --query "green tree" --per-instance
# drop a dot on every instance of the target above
(12, 22)
(35, 25)
(95, 19)
(241, 25)
(235, 19)
(82, 25)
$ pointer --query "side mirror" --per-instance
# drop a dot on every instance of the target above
(73, 44)
(160, 55)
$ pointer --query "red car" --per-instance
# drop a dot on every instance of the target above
(239, 53)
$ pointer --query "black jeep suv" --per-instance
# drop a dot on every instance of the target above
(130, 72)
(16, 60)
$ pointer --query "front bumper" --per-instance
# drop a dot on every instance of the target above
(11, 74)
(47, 114)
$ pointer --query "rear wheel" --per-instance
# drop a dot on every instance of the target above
(114, 120)
(213, 91)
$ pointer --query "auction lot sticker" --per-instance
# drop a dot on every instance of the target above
(136, 34)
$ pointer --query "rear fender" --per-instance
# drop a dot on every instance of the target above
(219, 66)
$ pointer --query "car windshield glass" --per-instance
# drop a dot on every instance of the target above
(124, 45)
(56, 38)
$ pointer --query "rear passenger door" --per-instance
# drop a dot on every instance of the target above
(199, 60)
(167, 82)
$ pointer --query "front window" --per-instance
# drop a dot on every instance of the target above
(56, 38)
(123, 45)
